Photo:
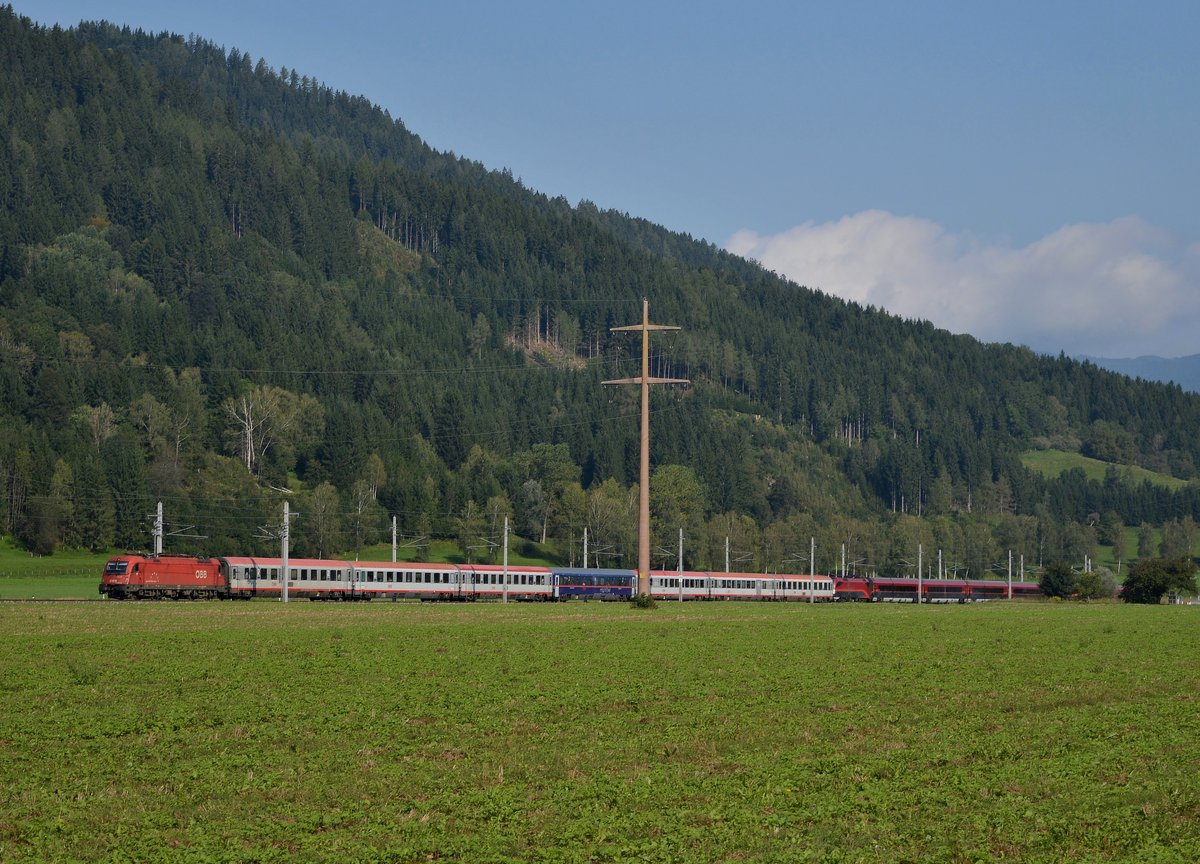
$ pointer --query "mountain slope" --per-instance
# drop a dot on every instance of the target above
(191, 240)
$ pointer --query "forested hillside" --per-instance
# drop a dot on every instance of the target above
(222, 283)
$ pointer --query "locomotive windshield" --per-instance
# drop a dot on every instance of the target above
(116, 568)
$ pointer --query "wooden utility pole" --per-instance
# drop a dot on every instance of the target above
(644, 380)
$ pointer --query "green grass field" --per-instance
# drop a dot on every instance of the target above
(591, 732)
(65, 574)
(1052, 463)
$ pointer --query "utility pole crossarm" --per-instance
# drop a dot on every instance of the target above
(638, 380)
(635, 327)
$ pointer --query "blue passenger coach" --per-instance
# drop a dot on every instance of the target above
(598, 583)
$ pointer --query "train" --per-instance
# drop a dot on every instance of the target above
(881, 589)
(188, 577)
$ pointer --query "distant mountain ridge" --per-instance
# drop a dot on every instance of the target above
(1184, 371)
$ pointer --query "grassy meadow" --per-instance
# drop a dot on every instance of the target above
(593, 732)
(65, 574)
(1052, 463)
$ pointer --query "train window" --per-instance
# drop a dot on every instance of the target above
(324, 575)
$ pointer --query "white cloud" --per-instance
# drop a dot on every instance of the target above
(1121, 288)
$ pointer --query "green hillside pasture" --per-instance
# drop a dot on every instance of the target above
(593, 732)
(1052, 463)
(65, 574)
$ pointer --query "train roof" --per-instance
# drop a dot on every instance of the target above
(591, 571)
(499, 568)
(256, 561)
(404, 565)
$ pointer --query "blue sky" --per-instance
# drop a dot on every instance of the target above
(1026, 172)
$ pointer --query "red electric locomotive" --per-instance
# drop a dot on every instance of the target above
(166, 577)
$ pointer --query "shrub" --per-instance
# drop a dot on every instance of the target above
(643, 601)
